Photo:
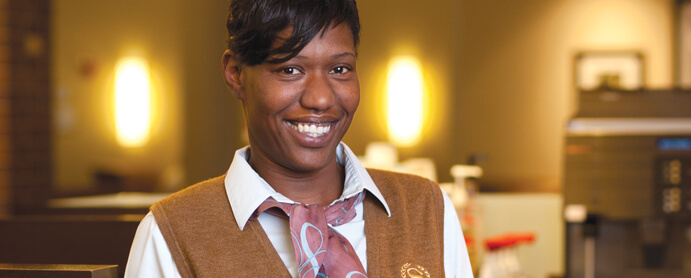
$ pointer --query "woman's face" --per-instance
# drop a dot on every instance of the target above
(298, 111)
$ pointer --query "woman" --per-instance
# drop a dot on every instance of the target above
(297, 202)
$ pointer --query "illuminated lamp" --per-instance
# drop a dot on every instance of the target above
(404, 101)
(132, 102)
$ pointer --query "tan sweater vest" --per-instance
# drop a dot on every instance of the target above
(205, 241)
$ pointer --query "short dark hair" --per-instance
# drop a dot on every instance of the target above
(253, 26)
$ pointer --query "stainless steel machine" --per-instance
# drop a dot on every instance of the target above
(627, 185)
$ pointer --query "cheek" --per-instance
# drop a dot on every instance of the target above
(354, 103)
(351, 98)
(269, 100)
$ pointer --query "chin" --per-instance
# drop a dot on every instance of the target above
(311, 161)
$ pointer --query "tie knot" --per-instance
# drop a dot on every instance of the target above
(319, 249)
(335, 214)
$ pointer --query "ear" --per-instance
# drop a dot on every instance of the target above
(232, 73)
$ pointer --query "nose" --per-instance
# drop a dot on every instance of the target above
(318, 93)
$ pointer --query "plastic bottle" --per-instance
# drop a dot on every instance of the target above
(462, 195)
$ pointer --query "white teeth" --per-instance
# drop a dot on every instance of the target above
(313, 130)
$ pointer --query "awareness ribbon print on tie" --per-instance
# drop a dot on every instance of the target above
(320, 250)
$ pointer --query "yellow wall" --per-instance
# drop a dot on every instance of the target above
(407, 27)
(199, 124)
(96, 34)
(214, 122)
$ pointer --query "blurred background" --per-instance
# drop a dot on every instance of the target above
(506, 89)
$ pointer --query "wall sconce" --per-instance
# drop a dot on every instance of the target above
(132, 102)
(404, 101)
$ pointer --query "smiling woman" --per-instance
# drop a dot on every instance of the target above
(296, 201)
(317, 90)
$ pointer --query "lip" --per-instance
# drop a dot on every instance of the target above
(312, 132)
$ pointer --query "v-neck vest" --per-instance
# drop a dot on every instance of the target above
(204, 239)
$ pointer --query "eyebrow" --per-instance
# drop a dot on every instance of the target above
(340, 55)
(344, 54)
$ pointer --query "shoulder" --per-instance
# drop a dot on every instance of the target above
(407, 191)
(387, 180)
(201, 190)
(197, 199)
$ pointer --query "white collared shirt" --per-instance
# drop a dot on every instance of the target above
(150, 256)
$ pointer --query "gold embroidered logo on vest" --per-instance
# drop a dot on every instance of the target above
(408, 271)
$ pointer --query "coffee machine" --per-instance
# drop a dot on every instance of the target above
(627, 185)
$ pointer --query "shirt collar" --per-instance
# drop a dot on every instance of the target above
(246, 190)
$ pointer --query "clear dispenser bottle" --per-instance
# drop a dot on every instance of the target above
(463, 195)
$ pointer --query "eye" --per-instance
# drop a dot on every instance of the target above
(290, 70)
(340, 70)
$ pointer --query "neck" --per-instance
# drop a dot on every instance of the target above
(321, 186)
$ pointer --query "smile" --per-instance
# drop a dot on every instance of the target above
(311, 129)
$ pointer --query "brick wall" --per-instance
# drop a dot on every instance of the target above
(25, 156)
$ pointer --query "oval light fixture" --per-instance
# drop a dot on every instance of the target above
(132, 102)
(404, 101)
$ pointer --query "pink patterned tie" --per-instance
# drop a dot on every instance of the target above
(319, 249)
